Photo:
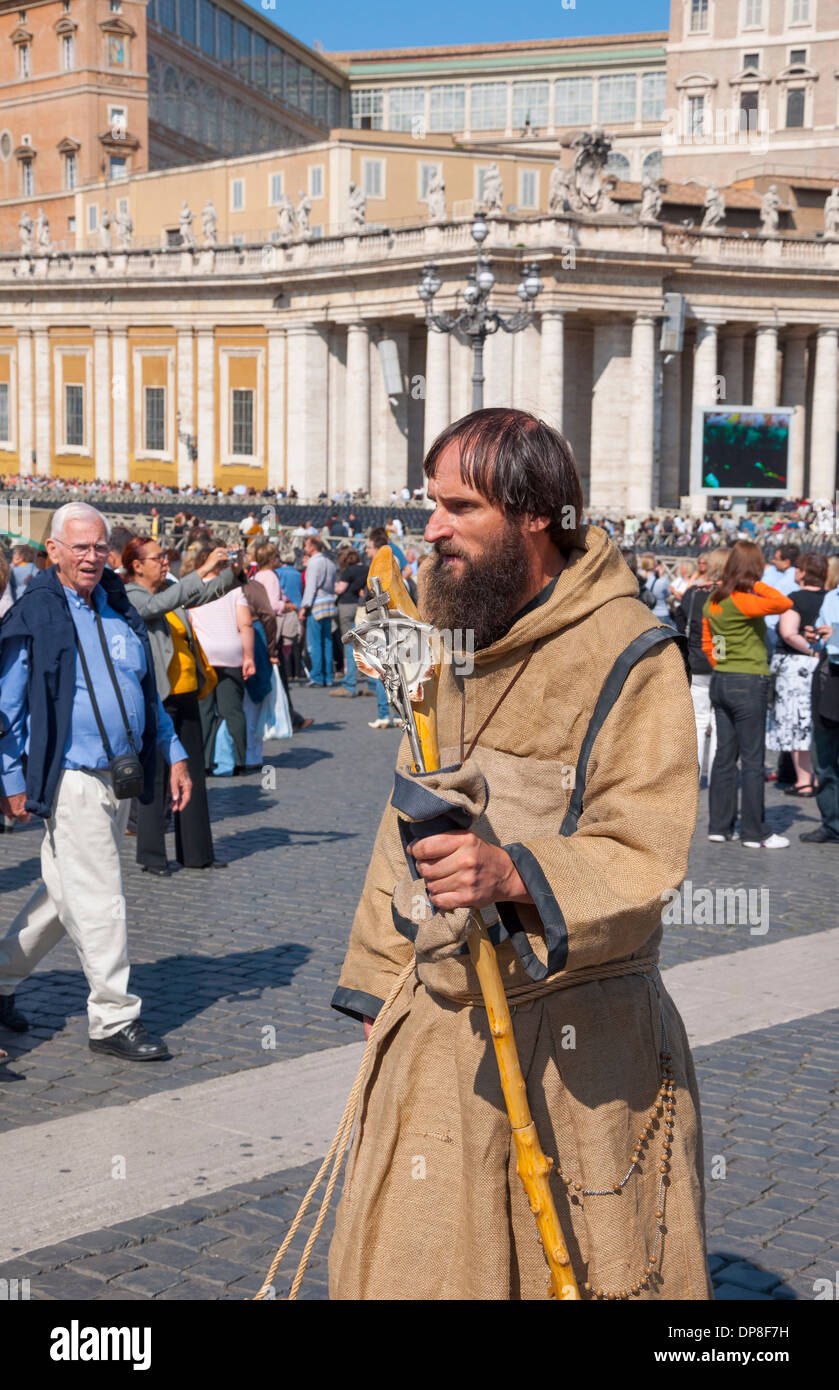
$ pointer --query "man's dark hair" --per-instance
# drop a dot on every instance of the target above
(315, 541)
(788, 552)
(378, 536)
(521, 465)
(119, 538)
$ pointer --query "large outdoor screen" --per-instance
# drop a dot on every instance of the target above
(743, 450)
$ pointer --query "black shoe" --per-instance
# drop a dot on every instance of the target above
(10, 1017)
(820, 837)
(133, 1043)
(158, 872)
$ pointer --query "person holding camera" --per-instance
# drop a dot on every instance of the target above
(184, 677)
(78, 700)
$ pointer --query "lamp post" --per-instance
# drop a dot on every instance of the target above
(475, 321)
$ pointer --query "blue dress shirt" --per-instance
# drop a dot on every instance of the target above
(84, 748)
(829, 615)
(782, 580)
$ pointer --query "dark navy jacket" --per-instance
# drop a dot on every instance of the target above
(42, 618)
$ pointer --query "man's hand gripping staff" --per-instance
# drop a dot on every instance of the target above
(395, 646)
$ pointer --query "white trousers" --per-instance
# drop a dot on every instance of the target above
(81, 895)
(706, 723)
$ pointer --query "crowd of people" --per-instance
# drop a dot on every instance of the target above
(105, 488)
(763, 642)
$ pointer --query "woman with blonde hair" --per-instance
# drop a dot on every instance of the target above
(688, 618)
(734, 642)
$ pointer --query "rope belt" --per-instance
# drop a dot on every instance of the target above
(518, 995)
(522, 994)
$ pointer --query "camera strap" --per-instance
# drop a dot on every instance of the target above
(89, 683)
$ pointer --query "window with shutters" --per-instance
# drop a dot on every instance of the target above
(154, 437)
(241, 422)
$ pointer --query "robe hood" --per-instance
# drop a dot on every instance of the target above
(596, 572)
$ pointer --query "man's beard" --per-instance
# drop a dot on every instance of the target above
(484, 593)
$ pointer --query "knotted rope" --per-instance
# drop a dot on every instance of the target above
(337, 1149)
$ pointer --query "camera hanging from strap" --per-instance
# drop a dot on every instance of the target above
(126, 770)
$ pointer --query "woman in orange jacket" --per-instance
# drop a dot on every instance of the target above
(734, 641)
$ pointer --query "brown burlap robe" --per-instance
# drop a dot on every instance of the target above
(433, 1207)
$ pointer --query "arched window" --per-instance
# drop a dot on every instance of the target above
(618, 164)
(192, 116)
(652, 164)
(172, 100)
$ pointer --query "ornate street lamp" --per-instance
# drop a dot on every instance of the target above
(473, 323)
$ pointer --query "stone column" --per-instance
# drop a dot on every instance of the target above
(642, 415)
(276, 407)
(307, 368)
(389, 414)
(705, 364)
(611, 389)
(498, 369)
(122, 406)
(671, 432)
(526, 369)
(552, 368)
(25, 437)
(186, 404)
(765, 385)
(437, 388)
(823, 428)
(357, 406)
(206, 426)
(44, 402)
(732, 369)
(794, 393)
(102, 455)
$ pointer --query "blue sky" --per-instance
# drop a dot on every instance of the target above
(383, 24)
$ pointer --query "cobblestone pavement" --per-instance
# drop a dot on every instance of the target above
(217, 956)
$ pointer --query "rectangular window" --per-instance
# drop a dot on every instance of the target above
(795, 108)
(68, 52)
(488, 106)
(653, 95)
(71, 225)
(92, 216)
(406, 108)
(117, 167)
(797, 57)
(241, 419)
(118, 121)
(166, 14)
(320, 98)
(334, 116)
(243, 51)
(24, 65)
(447, 108)
(748, 111)
(225, 38)
(751, 62)
(275, 193)
(155, 418)
(617, 97)
(696, 116)
(316, 181)
(306, 89)
(528, 188)
(237, 195)
(800, 12)
(260, 60)
(292, 81)
(27, 178)
(275, 75)
(4, 411)
(74, 416)
(208, 28)
(426, 174)
(186, 20)
(752, 14)
(530, 105)
(70, 171)
(373, 177)
(698, 16)
(573, 99)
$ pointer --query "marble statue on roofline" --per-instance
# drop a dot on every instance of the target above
(209, 224)
(714, 206)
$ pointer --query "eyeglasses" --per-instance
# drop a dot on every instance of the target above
(101, 550)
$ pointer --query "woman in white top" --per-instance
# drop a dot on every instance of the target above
(225, 630)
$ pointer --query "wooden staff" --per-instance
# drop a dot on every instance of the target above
(532, 1164)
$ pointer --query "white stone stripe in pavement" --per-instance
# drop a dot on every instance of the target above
(57, 1176)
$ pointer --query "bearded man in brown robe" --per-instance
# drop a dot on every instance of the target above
(569, 762)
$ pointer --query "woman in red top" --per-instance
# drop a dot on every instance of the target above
(734, 641)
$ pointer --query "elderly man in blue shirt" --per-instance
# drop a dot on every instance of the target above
(77, 695)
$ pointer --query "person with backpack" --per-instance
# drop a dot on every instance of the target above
(687, 616)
